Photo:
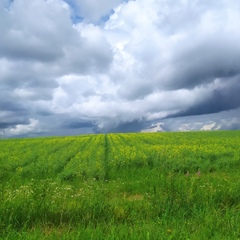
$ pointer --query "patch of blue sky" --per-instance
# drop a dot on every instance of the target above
(76, 18)
(104, 18)
(7, 4)
(74, 13)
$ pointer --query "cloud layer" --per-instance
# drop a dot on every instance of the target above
(68, 67)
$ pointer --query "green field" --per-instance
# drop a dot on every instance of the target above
(121, 186)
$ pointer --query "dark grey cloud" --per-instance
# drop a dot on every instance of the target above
(11, 106)
(135, 126)
(225, 97)
(232, 125)
(11, 120)
(4, 125)
(215, 58)
(74, 124)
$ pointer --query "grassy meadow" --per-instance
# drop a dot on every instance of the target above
(121, 186)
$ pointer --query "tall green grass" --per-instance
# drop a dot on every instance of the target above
(121, 186)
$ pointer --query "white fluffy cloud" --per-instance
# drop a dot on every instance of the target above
(19, 129)
(115, 65)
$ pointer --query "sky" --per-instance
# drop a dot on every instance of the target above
(88, 66)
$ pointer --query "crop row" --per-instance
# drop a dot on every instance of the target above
(101, 156)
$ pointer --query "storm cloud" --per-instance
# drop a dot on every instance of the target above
(75, 66)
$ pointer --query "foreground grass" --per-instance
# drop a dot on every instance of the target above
(132, 186)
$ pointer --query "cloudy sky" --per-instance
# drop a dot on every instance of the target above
(85, 66)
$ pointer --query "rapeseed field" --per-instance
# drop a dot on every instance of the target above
(121, 186)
